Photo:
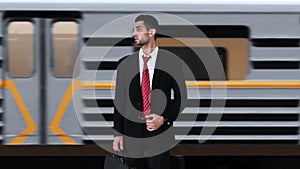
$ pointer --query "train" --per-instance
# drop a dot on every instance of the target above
(59, 60)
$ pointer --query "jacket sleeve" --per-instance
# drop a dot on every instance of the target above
(118, 118)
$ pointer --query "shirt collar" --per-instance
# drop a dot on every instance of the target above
(153, 53)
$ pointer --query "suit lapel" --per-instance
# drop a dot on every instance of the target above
(133, 77)
(157, 72)
(136, 79)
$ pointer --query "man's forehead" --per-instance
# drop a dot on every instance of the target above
(139, 23)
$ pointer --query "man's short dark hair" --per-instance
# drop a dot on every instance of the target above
(149, 21)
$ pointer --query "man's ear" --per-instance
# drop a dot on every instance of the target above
(152, 32)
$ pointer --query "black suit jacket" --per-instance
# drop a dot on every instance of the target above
(168, 76)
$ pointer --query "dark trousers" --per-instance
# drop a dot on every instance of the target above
(161, 161)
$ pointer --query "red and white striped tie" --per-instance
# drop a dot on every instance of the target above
(146, 87)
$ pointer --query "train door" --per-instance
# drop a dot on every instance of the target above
(40, 53)
(63, 46)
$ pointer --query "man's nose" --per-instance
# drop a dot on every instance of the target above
(133, 33)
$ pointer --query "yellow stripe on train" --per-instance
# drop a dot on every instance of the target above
(213, 84)
(76, 84)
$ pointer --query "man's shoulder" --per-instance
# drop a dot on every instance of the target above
(126, 57)
(164, 52)
(127, 61)
(168, 55)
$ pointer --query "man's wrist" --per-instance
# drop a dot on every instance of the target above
(166, 121)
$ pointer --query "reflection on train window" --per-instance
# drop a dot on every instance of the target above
(65, 41)
(20, 49)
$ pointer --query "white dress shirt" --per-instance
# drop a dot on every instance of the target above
(150, 64)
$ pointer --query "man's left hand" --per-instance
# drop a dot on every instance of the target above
(154, 121)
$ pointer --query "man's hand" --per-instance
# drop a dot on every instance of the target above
(118, 143)
(154, 121)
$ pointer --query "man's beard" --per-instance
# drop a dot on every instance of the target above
(139, 44)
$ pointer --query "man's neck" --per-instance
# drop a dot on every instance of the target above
(147, 49)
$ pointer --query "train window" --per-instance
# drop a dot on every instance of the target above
(65, 45)
(196, 65)
(20, 49)
(230, 42)
(233, 53)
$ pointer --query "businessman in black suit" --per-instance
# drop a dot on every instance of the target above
(142, 119)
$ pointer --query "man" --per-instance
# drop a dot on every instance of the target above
(150, 93)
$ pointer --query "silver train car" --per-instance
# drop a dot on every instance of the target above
(58, 64)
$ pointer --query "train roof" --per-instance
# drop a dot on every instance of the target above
(268, 6)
